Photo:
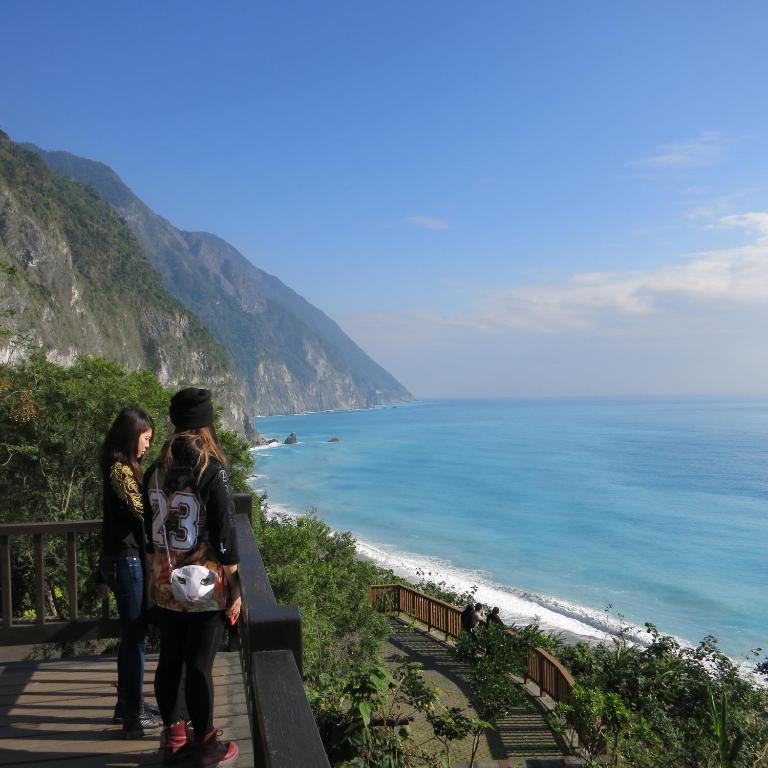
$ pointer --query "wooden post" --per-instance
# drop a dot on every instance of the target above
(37, 544)
(72, 574)
(5, 578)
(244, 505)
(284, 731)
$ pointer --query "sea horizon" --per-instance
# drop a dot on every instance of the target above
(534, 532)
(265, 417)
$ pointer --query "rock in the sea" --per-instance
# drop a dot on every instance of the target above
(257, 439)
(334, 440)
(260, 441)
(291, 439)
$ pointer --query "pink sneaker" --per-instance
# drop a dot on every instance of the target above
(213, 753)
(175, 743)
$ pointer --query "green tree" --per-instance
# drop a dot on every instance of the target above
(602, 720)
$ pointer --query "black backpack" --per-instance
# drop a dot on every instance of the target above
(466, 617)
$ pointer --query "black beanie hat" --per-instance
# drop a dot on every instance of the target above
(192, 408)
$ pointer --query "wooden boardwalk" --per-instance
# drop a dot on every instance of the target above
(59, 713)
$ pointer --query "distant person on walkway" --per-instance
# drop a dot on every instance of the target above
(466, 617)
(473, 616)
(494, 618)
(194, 576)
(122, 560)
(478, 616)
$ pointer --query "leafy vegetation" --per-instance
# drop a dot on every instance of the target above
(365, 719)
(668, 690)
(317, 569)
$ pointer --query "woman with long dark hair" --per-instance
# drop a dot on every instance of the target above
(122, 559)
(191, 538)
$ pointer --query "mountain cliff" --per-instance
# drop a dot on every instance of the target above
(291, 356)
(74, 280)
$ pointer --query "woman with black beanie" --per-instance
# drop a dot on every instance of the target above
(193, 565)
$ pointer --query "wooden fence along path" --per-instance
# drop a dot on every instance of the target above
(259, 690)
(550, 677)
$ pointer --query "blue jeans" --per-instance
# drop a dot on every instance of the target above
(125, 577)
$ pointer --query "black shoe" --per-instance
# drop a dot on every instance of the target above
(152, 712)
(133, 728)
(149, 719)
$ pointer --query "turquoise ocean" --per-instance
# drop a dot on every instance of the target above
(553, 508)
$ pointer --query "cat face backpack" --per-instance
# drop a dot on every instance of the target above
(190, 584)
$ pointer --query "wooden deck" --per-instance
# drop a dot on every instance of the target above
(59, 713)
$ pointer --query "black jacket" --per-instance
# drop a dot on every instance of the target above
(189, 521)
(122, 531)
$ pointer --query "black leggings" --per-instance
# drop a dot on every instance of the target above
(191, 640)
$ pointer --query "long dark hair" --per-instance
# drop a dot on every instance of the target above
(203, 440)
(122, 440)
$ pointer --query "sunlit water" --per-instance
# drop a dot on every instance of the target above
(553, 508)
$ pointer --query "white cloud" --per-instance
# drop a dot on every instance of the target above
(702, 212)
(427, 222)
(696, 326)
(712, 208)
(704, 150)
(755, 221)
(594, 300)
(607, 301)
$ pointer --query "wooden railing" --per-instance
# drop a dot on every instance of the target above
(283, 728)
(399, 598)
(552, 678)
(550, 675)
(40, 628)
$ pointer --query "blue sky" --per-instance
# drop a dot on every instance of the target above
(497, 198)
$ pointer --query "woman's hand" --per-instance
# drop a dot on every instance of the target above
(235, 598)
(149, 593)
(233, 609)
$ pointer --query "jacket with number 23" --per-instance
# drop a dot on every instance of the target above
(191, 523)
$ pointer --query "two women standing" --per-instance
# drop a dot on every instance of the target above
(191, 571)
